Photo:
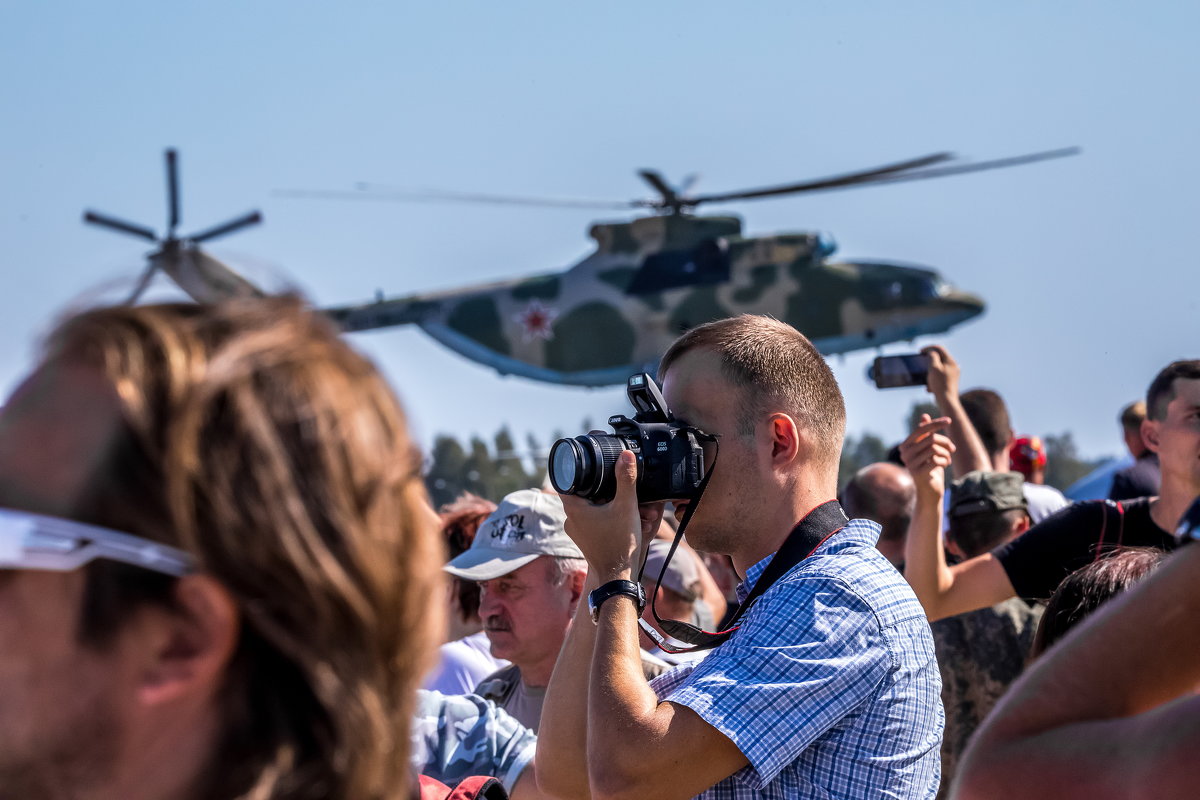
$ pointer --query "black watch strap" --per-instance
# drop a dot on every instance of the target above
(612, 589)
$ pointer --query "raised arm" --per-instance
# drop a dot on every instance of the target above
(943, 590)
(637, 747)
(969, 454)
(1094, 717)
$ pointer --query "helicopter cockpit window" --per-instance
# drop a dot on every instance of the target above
(706, 263)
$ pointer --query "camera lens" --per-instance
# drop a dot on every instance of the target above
(566, 462)
(584, 465)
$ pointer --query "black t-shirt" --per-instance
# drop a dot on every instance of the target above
(1140, 479)
(1038, 560)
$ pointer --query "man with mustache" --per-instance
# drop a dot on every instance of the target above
(531, 575)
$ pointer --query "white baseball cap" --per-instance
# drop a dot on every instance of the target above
(527, 524)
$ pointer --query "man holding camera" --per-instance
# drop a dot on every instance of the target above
(828, 687)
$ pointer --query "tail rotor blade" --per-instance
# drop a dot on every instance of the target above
(121, 225)
(253, 218)
(172, 192)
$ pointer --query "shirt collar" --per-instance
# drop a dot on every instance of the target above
(861, 532)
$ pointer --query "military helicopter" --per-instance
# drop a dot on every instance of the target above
(615, 312)
(649, 279)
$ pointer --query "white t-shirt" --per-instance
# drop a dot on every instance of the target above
(1043, 501)
(462, 664)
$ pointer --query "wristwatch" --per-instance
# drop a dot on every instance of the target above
(612, 589)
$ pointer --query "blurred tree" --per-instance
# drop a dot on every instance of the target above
(490, 472)
(446, 475)
(859, 451)
(1064, 465)
(923, 407)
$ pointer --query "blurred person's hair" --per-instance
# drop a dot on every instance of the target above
(460, 521)
(976, 534)
(1162, 388)
(773, 365)
(1133, 415)
(253, 437)
(1087, 588)
(989, 416)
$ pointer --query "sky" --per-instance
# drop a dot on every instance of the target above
(1086, 263)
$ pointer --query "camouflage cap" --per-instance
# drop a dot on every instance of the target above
(527, 524)
(979, 492)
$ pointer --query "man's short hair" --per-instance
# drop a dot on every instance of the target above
(254, 438)
(989, 416)
(1133, 415)
(776, 368)
(977, 534)
(890, 503)
(1162, 388)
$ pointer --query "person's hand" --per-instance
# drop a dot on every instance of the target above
(943, 372)
(611, 535)
(926, 454)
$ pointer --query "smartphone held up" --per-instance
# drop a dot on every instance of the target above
(890, 372)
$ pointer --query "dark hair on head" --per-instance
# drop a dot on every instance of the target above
(870, 495)
(460, 522)
(988, 414)
(776, 368)
(976, 534)
(255, 438)
(1087, 588)
(1162, 388)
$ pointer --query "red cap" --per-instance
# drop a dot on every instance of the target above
(1027, 454)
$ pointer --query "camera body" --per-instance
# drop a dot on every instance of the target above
(670, 456)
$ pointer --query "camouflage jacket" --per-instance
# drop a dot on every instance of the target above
(979, 653)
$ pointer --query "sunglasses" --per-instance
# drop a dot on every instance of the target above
(35, 541)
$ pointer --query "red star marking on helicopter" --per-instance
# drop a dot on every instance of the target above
(537, 321)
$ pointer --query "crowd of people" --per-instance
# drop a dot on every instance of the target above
(220, 577)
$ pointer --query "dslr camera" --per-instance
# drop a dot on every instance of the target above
(670, 456)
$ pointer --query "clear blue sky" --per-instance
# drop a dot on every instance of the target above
(1087, 264)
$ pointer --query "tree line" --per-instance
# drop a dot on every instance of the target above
(494, 468)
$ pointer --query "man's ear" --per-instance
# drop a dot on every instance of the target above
(787, 440)
(1150, 434)
(192, 643)
(1021, 525)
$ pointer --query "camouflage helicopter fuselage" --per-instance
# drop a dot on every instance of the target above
(650, 279)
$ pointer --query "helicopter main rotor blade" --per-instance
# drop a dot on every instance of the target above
(119, 225)
(375, 192)
(172, 192)
(669, 197)
(253, 218)
(889, 176)
(832, 182)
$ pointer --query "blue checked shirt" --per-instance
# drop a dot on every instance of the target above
(830, 687)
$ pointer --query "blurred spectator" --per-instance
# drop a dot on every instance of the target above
(980, 653)
(1110, 711)
(200, 597)
(678, 597)
(466, 657)
(1027, 455)
(883, 492)
(1034, 564)
(531, 576)
(1087, 588)
(1142, 478)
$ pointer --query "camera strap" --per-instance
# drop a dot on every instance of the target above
(818, 525)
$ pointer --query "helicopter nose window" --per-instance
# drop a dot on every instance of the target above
(706, 263)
